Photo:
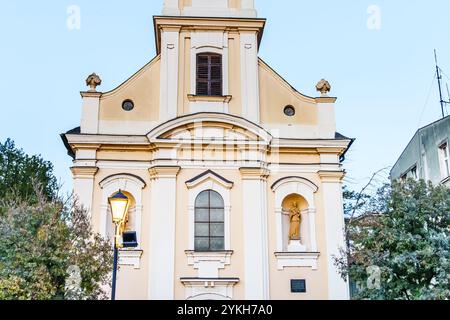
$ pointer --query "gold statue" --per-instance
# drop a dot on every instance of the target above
(295, 219)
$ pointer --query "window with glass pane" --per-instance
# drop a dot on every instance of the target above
(209, 222)
(445, 160)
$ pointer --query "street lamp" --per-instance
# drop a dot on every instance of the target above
(119, 207)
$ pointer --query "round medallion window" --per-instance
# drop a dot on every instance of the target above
(289, 111)
(128, 105)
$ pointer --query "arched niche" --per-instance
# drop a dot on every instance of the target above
(287, 190)
(132, 186)
(131, 223)
(303, 206)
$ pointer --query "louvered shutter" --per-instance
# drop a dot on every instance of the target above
(209, 74)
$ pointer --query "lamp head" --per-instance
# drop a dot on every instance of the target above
(119, 206)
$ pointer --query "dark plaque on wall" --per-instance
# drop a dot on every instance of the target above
(298, 286)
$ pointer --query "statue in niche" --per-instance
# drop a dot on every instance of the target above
(295, 220)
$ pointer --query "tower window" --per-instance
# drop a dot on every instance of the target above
(209, 74)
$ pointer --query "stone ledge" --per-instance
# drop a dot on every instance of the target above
(297, 259)
(130, 258)
(195, 98)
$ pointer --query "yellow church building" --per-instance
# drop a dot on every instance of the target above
(234, 177)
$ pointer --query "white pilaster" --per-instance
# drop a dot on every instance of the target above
(83, 186)
(326, 117)
(250, 76)
(338, 289)
(162, 233)
(169, 73)
(311, 213)
(90, 112)
(255, 233)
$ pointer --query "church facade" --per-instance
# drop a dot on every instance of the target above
(234, 177)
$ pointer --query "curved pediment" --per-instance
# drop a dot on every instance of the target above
(209, 126)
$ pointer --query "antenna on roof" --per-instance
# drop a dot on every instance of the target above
(439, 77)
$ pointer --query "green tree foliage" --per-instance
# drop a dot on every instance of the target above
(47, 247)
(39, 245)
(19, 173)
(399, 243)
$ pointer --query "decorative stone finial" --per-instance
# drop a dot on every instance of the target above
(93, 81)
(323, 87)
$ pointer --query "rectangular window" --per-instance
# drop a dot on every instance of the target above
(209, 74)
(413, 173)
(444, 159)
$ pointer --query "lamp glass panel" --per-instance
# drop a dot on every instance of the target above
(118, 208)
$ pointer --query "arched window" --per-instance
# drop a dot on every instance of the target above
(209, 222)
(209, 74)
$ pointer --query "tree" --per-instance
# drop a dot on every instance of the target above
(399, 248)
(47, 249)
(19, 173)
(43, 244)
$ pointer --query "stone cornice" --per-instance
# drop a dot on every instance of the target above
(93, 139)
(206, 23)
(164, 172)
(325, 99)
(195, 98)
(254, 173)
(332, 150)
(91, 94)
(331, 176)
(84, 172)
(310, 143)
(209, 175)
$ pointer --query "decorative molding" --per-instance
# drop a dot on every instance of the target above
(325, 99)
(195, 98)
(297, 259)
(209, 263)
(99, 139)
(209, 289)
(120, 176)
(199, 118)
(164, 172)
(294, 179)
(130, 258)
(219, 24)
(331, 176)
(90, 94)
(254, 173)
(311, 143)
(84, 172)
(209, 175)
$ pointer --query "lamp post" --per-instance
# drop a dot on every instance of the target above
(119, 207)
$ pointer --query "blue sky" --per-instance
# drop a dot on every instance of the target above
(381, 77)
